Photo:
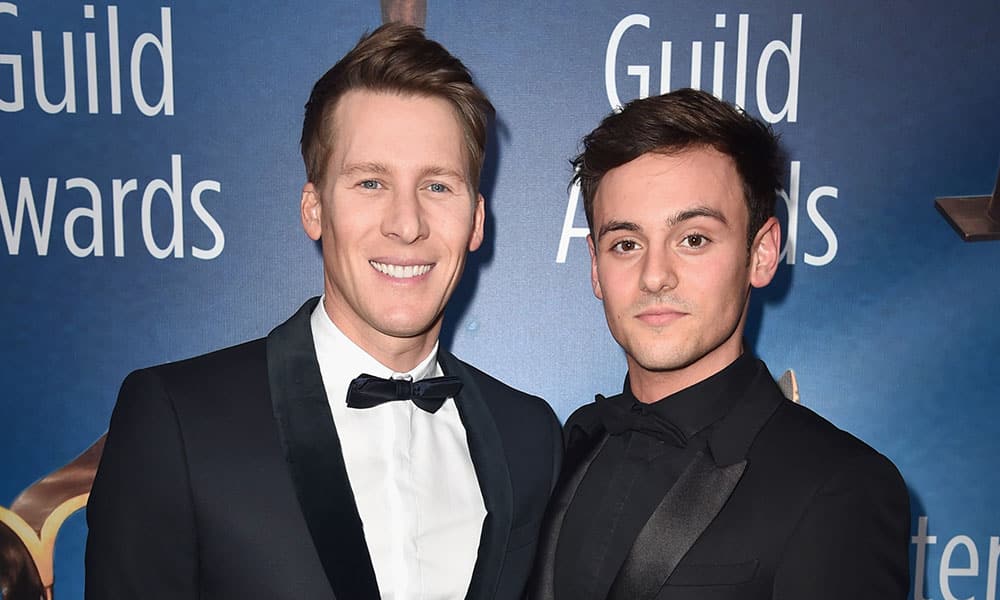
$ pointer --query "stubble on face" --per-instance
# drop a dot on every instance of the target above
(670, 265)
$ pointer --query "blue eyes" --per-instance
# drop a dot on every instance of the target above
(373, 184)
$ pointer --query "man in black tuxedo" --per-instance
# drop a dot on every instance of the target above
(344, 455)
(700, 480)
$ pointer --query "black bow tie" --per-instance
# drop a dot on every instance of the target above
(618, 418)
(429, 394)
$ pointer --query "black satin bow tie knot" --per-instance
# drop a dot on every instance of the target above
(428, 394)
(618, 418)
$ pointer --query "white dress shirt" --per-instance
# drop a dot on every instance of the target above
(411, 473)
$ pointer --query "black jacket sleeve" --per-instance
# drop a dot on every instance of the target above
(142, 541)
(853, 540)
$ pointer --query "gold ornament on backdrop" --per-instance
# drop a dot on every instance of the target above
(29, 527)
(411, 12)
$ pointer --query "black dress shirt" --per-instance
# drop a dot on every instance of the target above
(633, 472)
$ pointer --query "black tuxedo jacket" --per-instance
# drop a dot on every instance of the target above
(780, 505)
(223, 477)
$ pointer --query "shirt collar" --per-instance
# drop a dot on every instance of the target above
(338, 355)
(696, 407)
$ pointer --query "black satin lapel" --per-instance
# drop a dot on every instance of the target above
(490, 463)
(542, 584)
(687, 509)
(315, 461)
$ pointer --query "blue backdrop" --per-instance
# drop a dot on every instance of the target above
(151, 177)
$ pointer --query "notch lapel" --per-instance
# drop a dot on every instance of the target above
(315, 460)
(490, 463)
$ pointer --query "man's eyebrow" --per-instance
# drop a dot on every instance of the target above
(382, 169)
(442, 172)
(365, 167)
(698, 211)
(617, 226)
(684, 215)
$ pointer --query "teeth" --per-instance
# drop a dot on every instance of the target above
(400, 271)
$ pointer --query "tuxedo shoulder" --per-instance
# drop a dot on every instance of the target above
(223, 359)
(585, 417)
(224, 369)
(812, 429)
(800, 434)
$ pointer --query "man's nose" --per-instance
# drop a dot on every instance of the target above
(404, 218)
(658, 271)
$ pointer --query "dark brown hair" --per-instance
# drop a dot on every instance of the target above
(678, 121)
(396, 58)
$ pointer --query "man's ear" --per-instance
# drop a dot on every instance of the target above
(311, 211)
(764, 253)
(478, 224)
(595, 282)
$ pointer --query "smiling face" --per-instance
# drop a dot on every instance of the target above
(670, 264)
(396, 215)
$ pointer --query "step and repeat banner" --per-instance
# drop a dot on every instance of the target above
(149, 207)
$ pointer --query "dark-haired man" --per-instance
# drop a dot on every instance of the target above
(700, 480)
(345, 455)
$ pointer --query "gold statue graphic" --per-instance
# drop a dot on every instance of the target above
(411, 12)
(28, 529)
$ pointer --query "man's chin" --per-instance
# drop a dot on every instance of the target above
(663, 366)
(408, 326)
(663, 360)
